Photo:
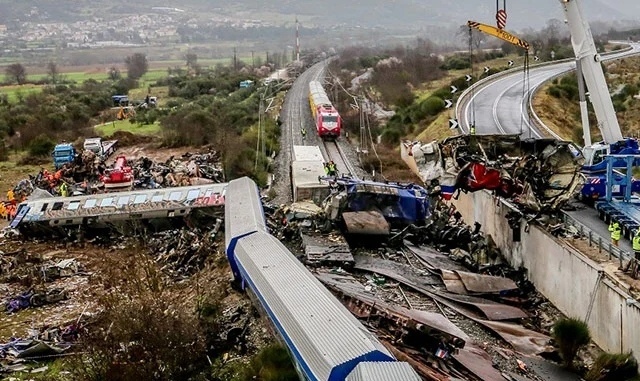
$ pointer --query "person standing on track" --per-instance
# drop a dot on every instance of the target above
(332, 169)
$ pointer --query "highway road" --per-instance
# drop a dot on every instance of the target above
(501, 106)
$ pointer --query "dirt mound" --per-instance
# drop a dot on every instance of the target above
(126, 138)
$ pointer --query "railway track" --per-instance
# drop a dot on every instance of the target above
(334, 152)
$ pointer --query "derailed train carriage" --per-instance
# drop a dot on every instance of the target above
(325, 340)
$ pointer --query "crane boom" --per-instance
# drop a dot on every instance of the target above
(587, 54)
(501, 34)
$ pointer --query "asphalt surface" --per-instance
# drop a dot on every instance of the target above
(501, 106)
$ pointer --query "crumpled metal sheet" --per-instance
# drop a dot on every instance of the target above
(403, 274)
(366, 223)
(433, 258)
(491, 310)
(395, 270)
(538, 175)
(477, 361)
(351, 287)
(464, 282)
(523, 340)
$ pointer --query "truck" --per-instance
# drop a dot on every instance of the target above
(102, 148)
(119, 176)
(63, 153)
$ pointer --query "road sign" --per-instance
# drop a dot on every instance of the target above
(510, 63)
(453, 124)
(486, 69)
(467, 78)
(453, 89)
(501, 18)
(536, 58)
(447, 103)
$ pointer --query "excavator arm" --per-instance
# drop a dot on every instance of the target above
(499, 33)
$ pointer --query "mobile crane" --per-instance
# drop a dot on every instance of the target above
(615, 151)
(589, 68)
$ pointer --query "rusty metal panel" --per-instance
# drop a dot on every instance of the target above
(452, 282)
(490, 309)
(478, 362)
(369, 223)
(523, 340)
(485, 283)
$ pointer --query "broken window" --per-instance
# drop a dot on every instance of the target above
(90, 203)
(73, 205)
(106, 202)
(57, 205)
(44, 207)
(139, 199)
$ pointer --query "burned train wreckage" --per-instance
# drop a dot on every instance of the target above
(537, 175)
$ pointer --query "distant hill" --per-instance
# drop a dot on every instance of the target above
(410, 14)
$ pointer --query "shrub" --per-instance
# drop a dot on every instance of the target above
(570, 334)
(143, 331)
(613, 367)
(432, 106)
(42, 145)
(271, 364)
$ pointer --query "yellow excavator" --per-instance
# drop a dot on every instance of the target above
(126, 112)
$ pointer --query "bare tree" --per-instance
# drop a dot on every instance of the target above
(192, 63)
(192, 60)
(16, 73)
(137, 65)
(476, 36)
(114, 73)
(52, 72)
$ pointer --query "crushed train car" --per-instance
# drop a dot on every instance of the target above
(537, 174)
(55, 215)
(394, 203)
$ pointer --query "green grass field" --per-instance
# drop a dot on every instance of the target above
(108, 129)
(14, 91)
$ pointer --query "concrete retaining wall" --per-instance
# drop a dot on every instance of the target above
(575, 284)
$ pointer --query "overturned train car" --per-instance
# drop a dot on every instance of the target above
(536, 174)
(325, 340)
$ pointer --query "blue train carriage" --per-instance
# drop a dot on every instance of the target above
(324, 339)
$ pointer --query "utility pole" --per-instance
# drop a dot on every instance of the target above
(235, 60)
(297, 39)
